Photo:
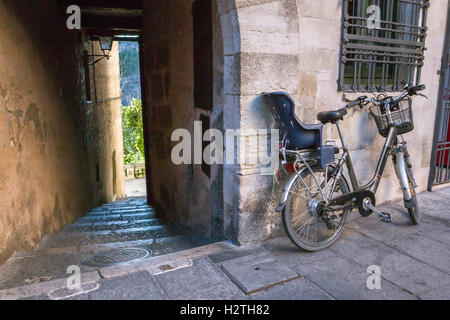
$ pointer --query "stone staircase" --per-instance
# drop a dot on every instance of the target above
(124, 223)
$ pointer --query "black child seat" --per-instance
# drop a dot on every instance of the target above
(297, 134)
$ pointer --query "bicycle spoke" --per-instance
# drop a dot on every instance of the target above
(300, 215)
(307, 223)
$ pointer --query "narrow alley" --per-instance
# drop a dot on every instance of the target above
(126, 223)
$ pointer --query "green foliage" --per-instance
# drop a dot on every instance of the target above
(129, 62)
(133, 133)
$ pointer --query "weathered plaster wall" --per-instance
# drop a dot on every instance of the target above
(45, 172)
(181, 192)
(102, 125)
(42, 184)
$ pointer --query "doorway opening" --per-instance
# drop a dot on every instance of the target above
(132, 118)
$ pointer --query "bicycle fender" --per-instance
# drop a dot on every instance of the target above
(286, 189)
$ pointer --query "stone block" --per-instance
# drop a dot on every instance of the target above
(269, 28)
(330, 10)
(396, 267)
(318, 60)
(202, 276)
(231, 114)
(297, 289)
(255, 114)
(319, 33)
(231, 74)
(268, 72)
(230, 33)
(257, 271)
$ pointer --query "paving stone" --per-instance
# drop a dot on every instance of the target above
(235, 253)
(414, 241)
(66, 293)
(346, 280)
(257, 271)
(398, 268)
(434, 228)
(297, 289)
(441, 293)
(228, 292)
(18, 272)
(137, 286)
(435, 203)
(202, 278)
(335, 274)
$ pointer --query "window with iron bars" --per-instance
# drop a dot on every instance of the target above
(383, 43)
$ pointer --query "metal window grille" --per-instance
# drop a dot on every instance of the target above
(383, 42)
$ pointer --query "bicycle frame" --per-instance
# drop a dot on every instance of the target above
(372, 185)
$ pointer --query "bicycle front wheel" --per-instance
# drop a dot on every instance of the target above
(305, 221)
(413, 209)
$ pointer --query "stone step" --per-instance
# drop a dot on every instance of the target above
(72, 239)
(109, 208)
(107, 223)
(119, 211)
(111, 230)
(116, 217)
(113, 226)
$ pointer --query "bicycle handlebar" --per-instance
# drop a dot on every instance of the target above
(363, 100)
(412, 90)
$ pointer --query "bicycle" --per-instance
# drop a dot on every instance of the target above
(317, 199)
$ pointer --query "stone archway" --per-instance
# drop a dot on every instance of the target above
(261, 47)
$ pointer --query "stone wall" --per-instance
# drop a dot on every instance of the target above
(261, 46)
(181, 193)
(102, 125)
(294, 46)
(45, 167)
(42, 183)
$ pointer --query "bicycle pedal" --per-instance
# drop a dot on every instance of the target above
(386, 217)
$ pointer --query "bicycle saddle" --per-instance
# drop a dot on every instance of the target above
(298, 134)
(331, 116)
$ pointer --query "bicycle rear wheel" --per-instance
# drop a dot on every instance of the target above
(304, 220)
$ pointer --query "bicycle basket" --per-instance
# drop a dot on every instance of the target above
(401, 114)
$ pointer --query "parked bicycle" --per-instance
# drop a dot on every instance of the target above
(317, 199)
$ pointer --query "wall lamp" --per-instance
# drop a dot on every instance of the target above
(106, 46)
